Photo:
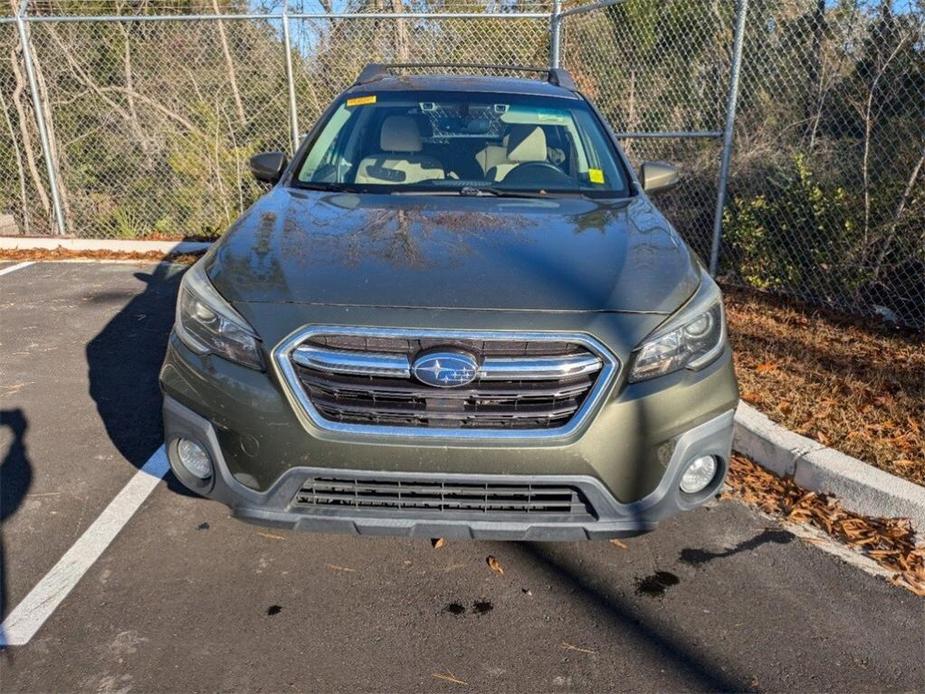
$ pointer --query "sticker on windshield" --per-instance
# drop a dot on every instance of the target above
(595, 175)
(361, 100)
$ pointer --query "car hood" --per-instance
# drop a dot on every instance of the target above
(417, 251)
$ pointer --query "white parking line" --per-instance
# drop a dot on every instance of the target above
(28, 616)
(17, 266)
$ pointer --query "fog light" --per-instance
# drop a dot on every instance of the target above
(195, 459)
(698, 475)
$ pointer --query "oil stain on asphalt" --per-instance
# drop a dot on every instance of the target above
(455, 609)
(654, 586)
(274, 610)
(479, 607)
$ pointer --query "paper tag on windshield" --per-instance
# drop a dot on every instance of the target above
(595, 175)
(361, 100)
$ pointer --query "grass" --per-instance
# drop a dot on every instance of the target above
(855, 387)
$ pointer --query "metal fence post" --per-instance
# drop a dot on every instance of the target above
(731, 101)
(555, 34)
(40, 120)
(293, 113)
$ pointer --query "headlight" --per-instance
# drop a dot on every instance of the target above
(207, 324)
(690, 340)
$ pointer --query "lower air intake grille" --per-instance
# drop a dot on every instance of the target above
(559, 502)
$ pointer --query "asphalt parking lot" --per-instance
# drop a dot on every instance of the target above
(170, 594)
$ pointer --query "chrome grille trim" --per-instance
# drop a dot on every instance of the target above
(605, 364)
(539, 368)
(398, 366)
(360, 363)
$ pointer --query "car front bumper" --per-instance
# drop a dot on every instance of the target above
(627, 465)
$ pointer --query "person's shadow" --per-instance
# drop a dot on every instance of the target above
(15, 480)
(124, 360)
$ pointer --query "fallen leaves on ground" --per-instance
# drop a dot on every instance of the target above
(494, 564)
(850, 385)
(438, 542)
(61, 253)
(617, 543)
(890, 542)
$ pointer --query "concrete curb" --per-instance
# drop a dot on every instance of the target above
(113, 245)
(860, 487)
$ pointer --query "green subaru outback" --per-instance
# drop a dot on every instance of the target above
(456, 313)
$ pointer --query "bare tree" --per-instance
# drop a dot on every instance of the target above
(23, 197)
(18, 97)
(229, 63)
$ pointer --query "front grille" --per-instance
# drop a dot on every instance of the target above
(521, 384)
(446, 499)
(414, 345)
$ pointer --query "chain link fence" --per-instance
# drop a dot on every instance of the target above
(152, 108)
(660, 73)
(827, 200)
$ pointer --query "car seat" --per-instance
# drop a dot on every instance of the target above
(491, 156)
(525, 144)
(400, 160)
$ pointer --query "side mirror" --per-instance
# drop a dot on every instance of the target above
(657, 176)
(267, 167)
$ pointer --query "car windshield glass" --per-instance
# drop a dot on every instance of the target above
(467, 143)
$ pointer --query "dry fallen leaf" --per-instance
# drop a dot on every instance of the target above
(569, 647)
(765, 367)
(823, 439)
(335, 567)
(494, 564)
(438, 542)
(616, 543)
(448, 677)
(270, 536)
(752, 397)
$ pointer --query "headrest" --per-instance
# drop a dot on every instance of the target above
(526, 143)
(400, 134)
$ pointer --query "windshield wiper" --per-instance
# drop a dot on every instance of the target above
(472, 191)
(503, 193)
(326, 187)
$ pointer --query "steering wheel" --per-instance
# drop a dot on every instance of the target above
(537, 173)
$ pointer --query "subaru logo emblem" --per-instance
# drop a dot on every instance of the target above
(445, 369)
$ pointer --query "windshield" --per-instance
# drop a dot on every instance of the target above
(463, 143)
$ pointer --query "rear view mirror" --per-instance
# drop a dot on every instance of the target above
(657, 176)
(267, 167)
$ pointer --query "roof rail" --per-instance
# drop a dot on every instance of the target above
(554, 75)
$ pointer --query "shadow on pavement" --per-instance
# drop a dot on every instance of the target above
(124, 360)
(689, 661)
(698, 557)
(15, 480)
